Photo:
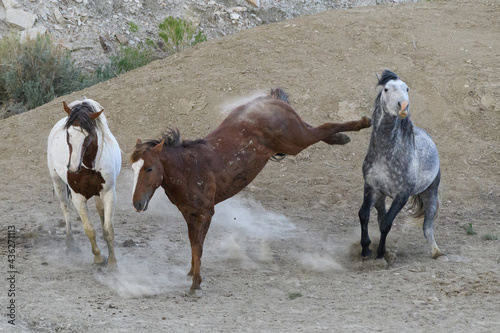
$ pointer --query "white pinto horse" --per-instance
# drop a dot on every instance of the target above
(84, 160)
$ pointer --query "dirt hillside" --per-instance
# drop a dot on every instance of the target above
(284, 255)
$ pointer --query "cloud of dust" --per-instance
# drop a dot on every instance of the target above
(243, 229)
(138, 278)
(233, 103)
(319, 262)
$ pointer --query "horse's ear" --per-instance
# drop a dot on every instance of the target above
(66, 108)
(158, 147)
(95, 115)
(138, 142)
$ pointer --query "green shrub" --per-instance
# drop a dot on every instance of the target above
(469, 230)
(129, 58)
(36, 71)
(490, 237)
(133, 27)
(178, 34)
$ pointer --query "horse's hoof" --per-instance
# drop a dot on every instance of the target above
(195, 289)
(367, 122)
(366, 254)
(442, 257)
(100, 260)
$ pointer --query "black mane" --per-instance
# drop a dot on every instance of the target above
(171, 138)
(387, 76)
(81, 113)
(279, 93)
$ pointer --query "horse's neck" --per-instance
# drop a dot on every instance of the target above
(174, 161)
(392, 132)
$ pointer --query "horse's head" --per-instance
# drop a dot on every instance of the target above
(148, 173)
(80, 132)
(394, 95)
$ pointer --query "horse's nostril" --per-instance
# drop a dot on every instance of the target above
(138, 206)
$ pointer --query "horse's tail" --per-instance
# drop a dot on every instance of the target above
(416, 205)
(279, 93)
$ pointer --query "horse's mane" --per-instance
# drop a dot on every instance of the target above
(171, 138)
(279, 93)
(81, 113)
(81, 110)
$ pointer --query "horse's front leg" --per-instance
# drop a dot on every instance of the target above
(81, 206)
(108, 204)
(60, 189)
(385, 224)
(364, 217)
(197, 229)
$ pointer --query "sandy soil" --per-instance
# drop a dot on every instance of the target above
(284, 255)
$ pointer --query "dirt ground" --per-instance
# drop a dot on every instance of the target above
(284, 254)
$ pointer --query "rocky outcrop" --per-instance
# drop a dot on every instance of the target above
(92, 29)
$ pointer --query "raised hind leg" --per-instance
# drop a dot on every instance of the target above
(430, 201)
(335, 137)
(299, 135)
(81, 206)
(197, 229)
(364, 217)
(105, 208)
(61, 191)
(385, 223)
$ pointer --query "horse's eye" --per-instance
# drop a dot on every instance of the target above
(149, 169)
(407, 89)
(386, 90)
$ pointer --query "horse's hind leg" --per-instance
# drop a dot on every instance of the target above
(335, 137)
(364, 217)
(81, 206)
(430, 201)
(61, 191)
(299, 135)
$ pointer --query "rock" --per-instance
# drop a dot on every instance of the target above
(237, 9)
(106, 44)
(19, 19)
(60, 18)
(9, 4)
(122, 39)
(255, 3)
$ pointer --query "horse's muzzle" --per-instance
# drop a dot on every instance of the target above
(70, 170)
(141, 205)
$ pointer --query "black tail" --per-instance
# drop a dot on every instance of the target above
(279, 93)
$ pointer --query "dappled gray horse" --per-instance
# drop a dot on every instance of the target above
(402, 163)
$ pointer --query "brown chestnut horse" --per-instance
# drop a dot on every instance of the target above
(196, 175)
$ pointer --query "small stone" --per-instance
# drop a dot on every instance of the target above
(122, 39)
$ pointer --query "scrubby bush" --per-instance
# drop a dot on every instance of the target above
(36, 71)
(129, 58)
(178, 34)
